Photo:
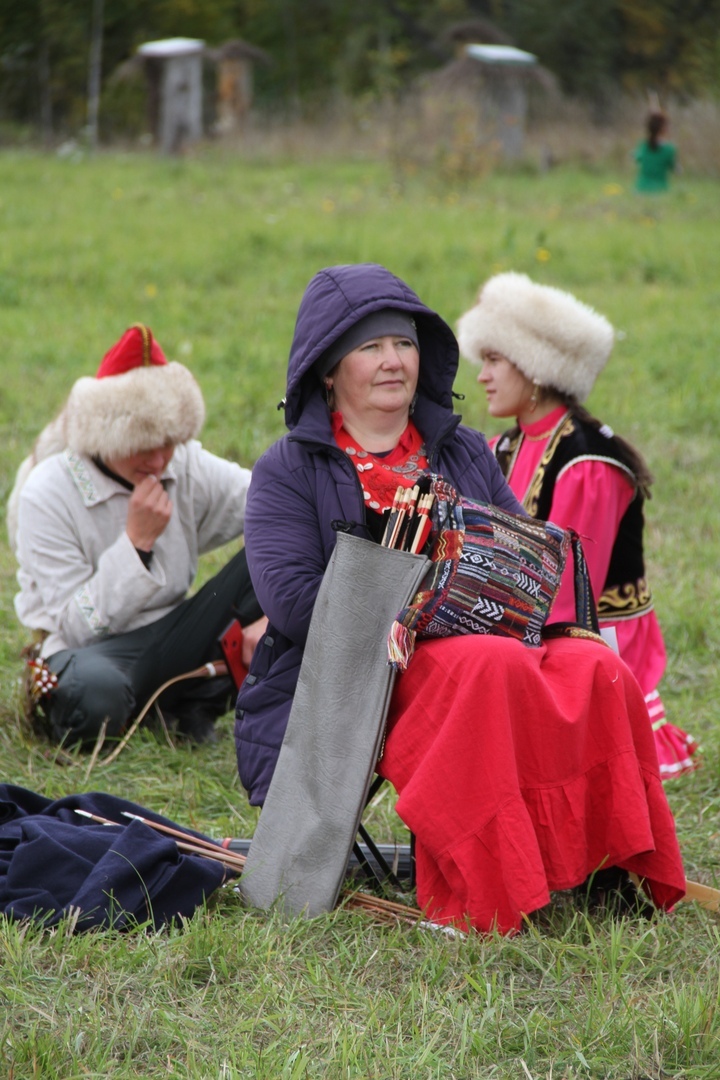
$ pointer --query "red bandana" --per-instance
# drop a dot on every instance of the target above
(381, 474)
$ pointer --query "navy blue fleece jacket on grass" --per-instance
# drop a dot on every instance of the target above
(54, 863)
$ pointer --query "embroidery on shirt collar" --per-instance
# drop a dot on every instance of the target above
(86, 484)
(83, 480)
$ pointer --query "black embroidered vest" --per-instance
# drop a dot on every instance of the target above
(625, 592)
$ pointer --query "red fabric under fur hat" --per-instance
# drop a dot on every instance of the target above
(136, 348)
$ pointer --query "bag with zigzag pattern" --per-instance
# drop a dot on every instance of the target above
(492, 572)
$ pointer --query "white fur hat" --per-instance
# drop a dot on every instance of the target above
(137, 401)
(553, 338)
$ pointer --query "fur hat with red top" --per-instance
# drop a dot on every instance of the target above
(137, 401)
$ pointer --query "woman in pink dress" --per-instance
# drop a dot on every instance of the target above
(540, 351)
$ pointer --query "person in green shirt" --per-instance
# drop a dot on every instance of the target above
(655, 157)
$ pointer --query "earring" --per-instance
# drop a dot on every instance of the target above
(329, 397)
(413, 403)
(534, 397)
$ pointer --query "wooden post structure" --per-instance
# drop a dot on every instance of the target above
(178, 62)
(505, 95)
(235, 61)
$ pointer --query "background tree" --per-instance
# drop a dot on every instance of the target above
(44, 48)
(322, 48)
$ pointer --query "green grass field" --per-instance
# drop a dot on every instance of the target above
(213, 252)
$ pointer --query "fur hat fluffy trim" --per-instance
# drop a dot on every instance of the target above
(141, 409)
(553, 338)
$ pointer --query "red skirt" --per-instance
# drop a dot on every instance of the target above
(521, 771)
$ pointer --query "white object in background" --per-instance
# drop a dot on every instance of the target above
(500, 54)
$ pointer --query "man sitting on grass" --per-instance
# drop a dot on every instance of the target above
(108, 518)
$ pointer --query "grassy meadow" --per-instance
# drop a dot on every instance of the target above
(213, 252)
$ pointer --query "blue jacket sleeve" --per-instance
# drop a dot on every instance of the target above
(285, 552)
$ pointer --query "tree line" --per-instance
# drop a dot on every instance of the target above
(321, 48)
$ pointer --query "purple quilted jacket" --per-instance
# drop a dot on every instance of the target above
(303, 486)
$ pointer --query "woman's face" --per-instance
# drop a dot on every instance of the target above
(508, 391)
(381, 375)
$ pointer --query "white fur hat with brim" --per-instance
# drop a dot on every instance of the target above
(137, 401)
(550, 336)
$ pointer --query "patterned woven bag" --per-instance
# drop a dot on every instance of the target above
(492, 572)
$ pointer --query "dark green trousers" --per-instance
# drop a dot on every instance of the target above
(113, 678)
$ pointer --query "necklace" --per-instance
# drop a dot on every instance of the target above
(380, 474)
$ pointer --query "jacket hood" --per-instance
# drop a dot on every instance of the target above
(335, 299)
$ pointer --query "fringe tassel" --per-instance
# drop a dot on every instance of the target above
(401, 646)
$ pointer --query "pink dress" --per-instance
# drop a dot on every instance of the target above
(591, 497)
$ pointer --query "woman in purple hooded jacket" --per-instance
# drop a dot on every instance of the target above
(519, 770)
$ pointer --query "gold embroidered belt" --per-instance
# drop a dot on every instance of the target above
(625, 601)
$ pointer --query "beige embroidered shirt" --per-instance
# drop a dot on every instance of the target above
(80, 577)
